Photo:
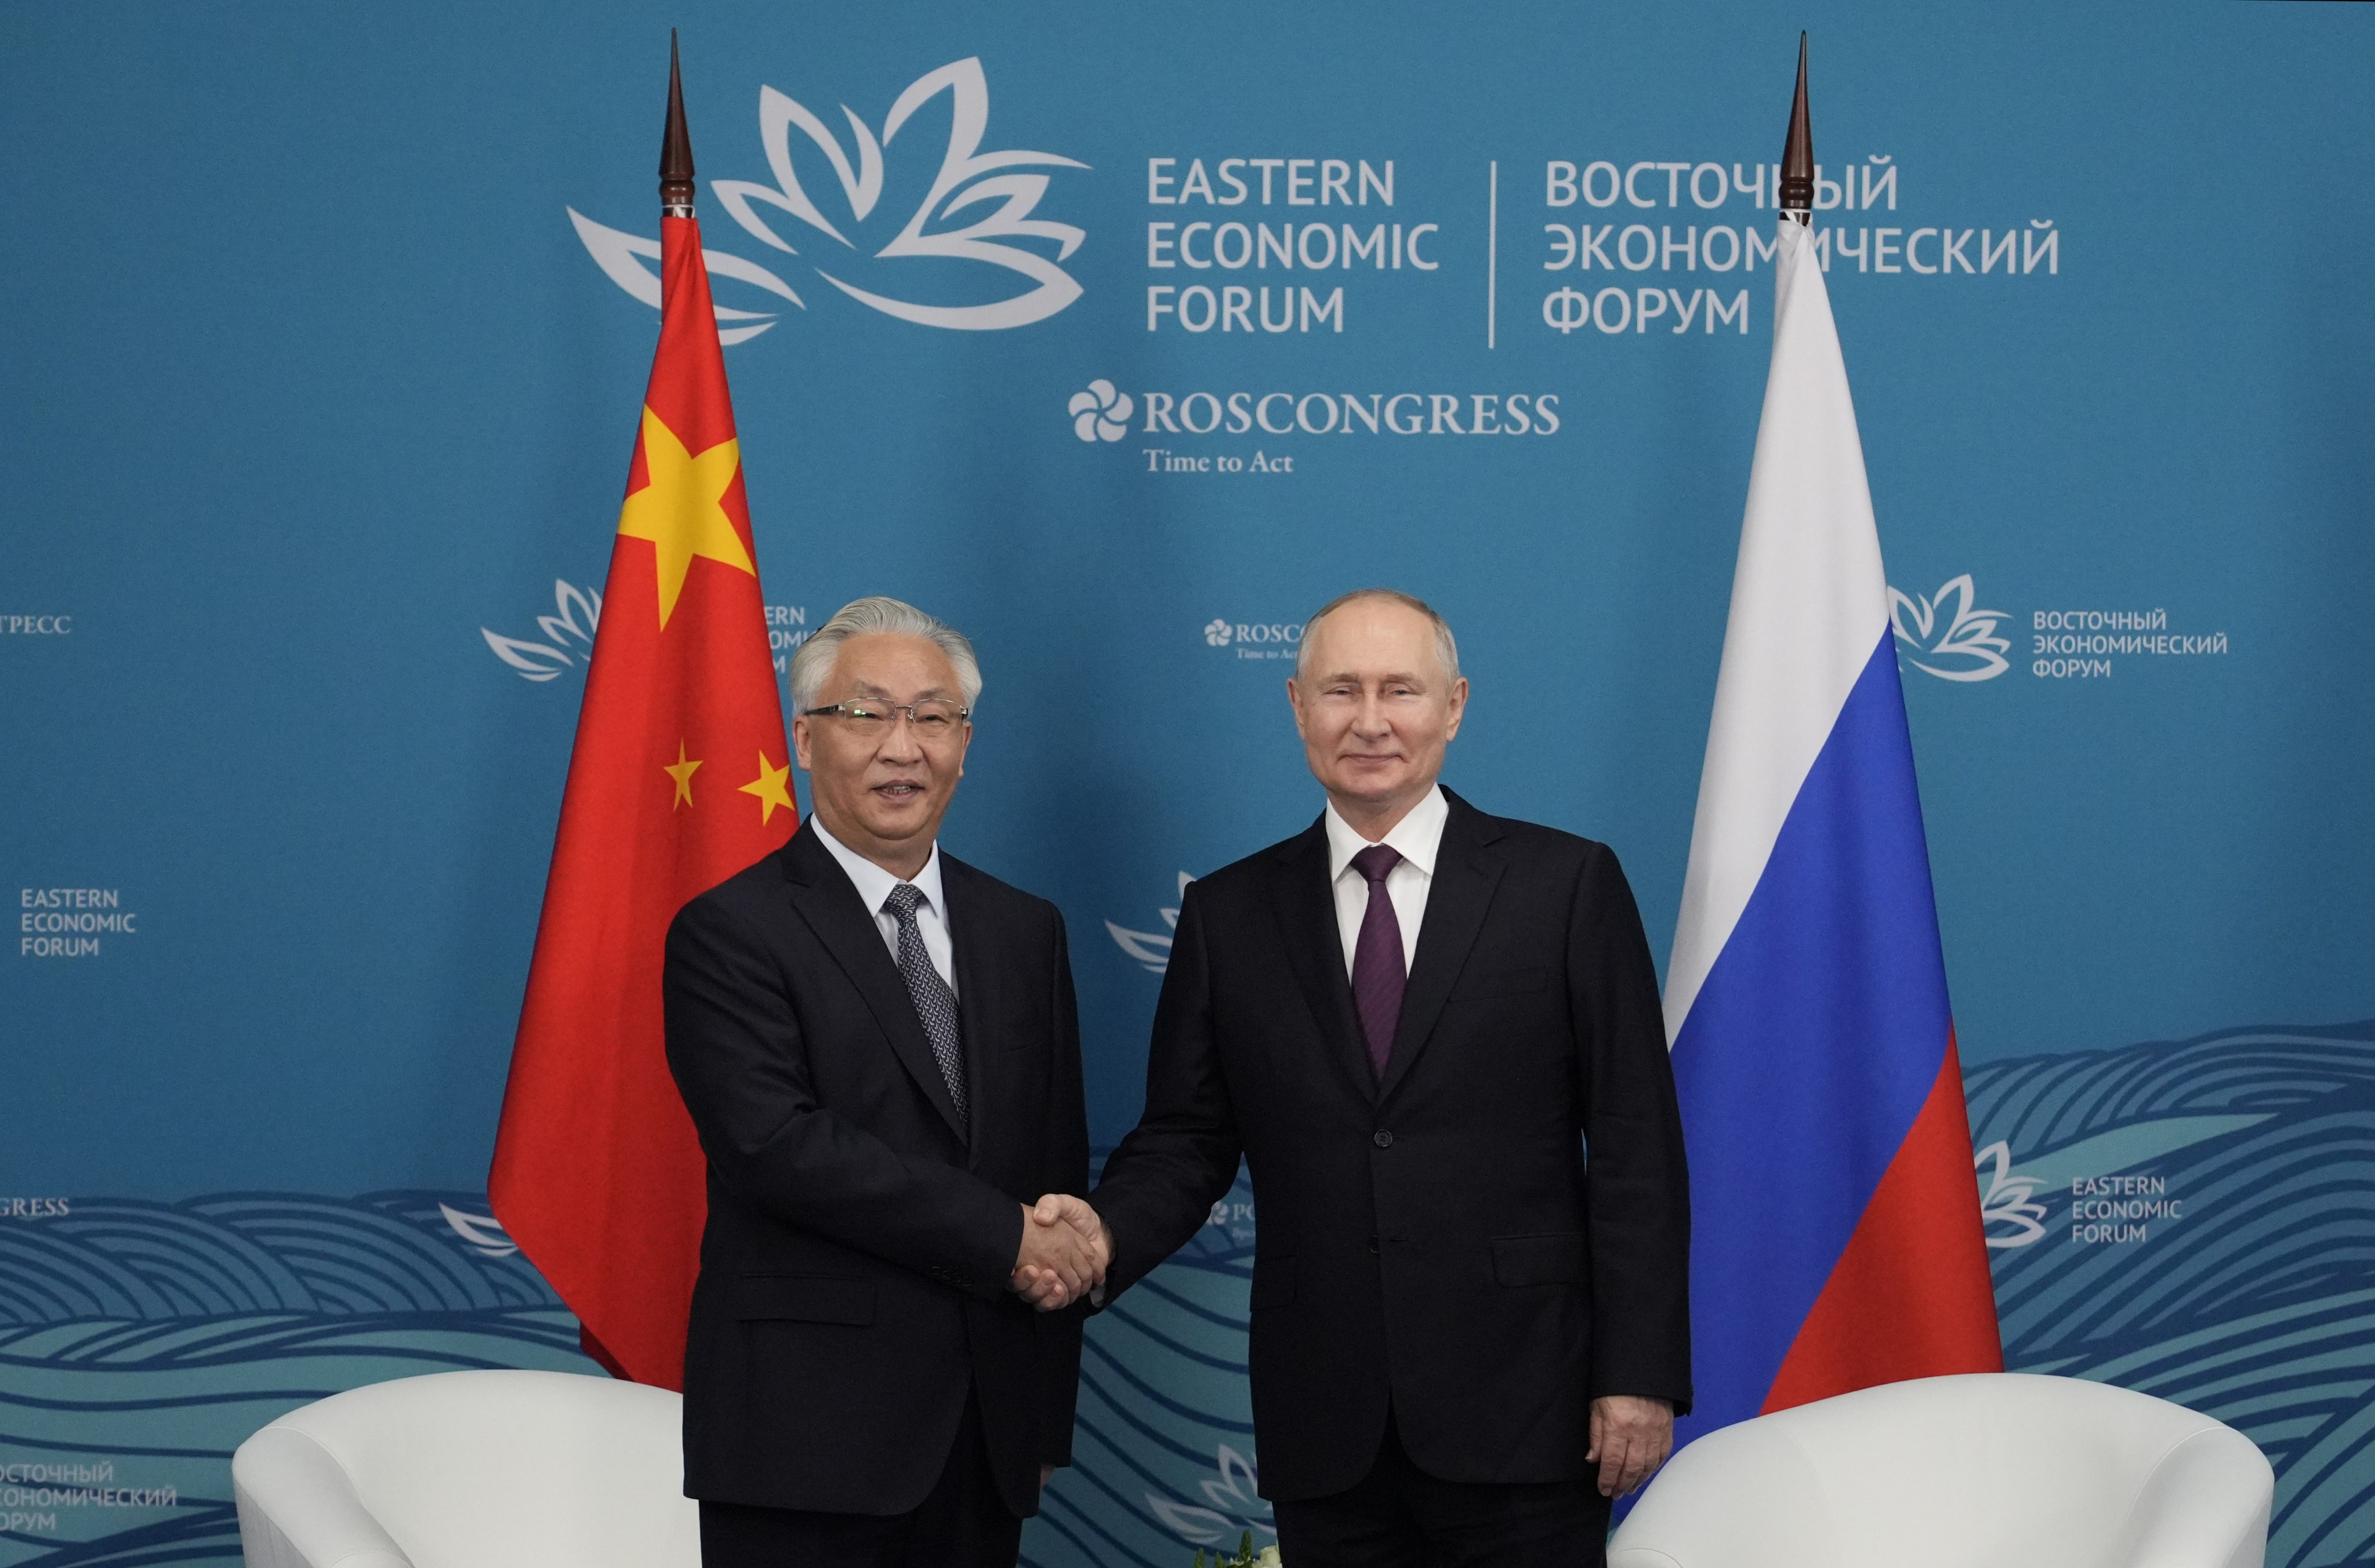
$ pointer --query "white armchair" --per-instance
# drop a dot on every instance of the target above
(1960, 1472)
(461, 1470)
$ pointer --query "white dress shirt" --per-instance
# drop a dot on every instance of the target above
(1417, 836)
(874, 885)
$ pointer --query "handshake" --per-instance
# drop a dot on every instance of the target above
(1066, 1249)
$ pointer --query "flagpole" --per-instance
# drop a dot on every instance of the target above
(676, 144)
(1796, 198)
(598, 1173)
(1806, 990)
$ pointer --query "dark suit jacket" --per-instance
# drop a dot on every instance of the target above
(1437, 1240)
(854, 1272)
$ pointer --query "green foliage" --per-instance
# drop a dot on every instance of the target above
(1246, 1556)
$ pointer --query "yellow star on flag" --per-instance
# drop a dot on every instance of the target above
(679, 511)
(772, 788)
(681, 771)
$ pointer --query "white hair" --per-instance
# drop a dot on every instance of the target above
(1447, 651)
(864, 617)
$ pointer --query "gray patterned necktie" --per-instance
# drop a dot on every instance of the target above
(936, 1005)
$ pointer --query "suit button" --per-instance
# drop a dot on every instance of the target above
(1382, 1139)
(1373, 1246)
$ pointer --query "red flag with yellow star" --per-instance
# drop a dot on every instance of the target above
(680, 778)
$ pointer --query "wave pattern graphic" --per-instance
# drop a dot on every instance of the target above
(2255, 1303)
(255, 1253)
(150, 1338)
(1163, 1457)
(153, 1337)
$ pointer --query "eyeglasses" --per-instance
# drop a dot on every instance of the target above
(934, 718)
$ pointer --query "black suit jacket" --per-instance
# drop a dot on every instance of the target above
(854, 1271)
(1437, 1240)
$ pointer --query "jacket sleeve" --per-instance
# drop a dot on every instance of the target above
(1638, 1216)
(1158, 1187)
(735, 1048)
(1067, 1171)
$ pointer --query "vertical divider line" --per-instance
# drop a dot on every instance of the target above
(1492, 249)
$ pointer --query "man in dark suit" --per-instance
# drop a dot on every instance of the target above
(1414, 1020)
(881, 1051)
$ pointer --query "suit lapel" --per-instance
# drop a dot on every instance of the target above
(1465, 876)
(828, 900)
(1306, 917)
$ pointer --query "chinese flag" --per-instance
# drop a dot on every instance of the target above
(680, 778)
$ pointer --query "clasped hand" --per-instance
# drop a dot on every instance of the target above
(1065, 1249)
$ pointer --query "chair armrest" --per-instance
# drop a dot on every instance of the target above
(298, 1508)
(2206, 1505)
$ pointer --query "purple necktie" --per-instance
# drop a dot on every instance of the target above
(1377, 974)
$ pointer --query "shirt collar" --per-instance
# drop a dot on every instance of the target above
(1417, 836)
(873, 883)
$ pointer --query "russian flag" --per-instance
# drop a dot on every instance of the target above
(1836, 1232)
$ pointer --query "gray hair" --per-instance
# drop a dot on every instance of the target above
(865, 617)
(1447, 651)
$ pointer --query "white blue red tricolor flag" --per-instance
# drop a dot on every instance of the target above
(1836, 1232)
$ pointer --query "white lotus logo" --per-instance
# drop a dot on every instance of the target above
(1102, 413)
(1216, 633)
(483, 1232)
(967, 178)
(1152, 949)
(1945, 628)
(621, 256)
(579, 611)
(2008, 1200)
(1237, 1505)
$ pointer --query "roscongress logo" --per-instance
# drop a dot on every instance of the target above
(1312, 413)
(991, 189)
(1254, 639)
(1944, 636)
(1102, 413)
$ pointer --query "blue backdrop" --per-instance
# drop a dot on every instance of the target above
(321, 368)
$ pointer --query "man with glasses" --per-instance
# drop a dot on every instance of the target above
(1417, 1024)
(881, 1051)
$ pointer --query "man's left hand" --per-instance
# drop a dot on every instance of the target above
(1630, 1437)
